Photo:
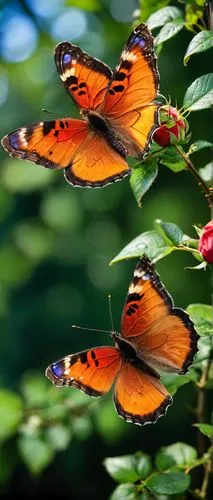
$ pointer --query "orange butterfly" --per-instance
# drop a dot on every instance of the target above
(154, 335)
(118, 114)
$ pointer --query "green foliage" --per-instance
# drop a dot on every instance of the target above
(170, 483)
(200, 43)
(36, 453)
(129, 468)
(198, 145)
(163, 16)
(166, 238)
(142, 178)
(202, 317)
(200, 93)
(205, 429)
(169, 31)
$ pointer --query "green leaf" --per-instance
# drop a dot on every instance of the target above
(205, 429)
(170, 483)
(11, 412)
(180, 453)
(201, 266)
(81, 427)
(164, 461)
(168, 31)
(142, 178)
(149, 243)
(92, 5)
(171, 159)
(163, 16)
(201, 42)
(36, 453)
(197, 145)
(200, 93)
(170, 232)
(173, 381)
(125, 492)
(122, 469)
(206, 173)
(58, 436)
(204, 349)
(202, 317)
(144, 465)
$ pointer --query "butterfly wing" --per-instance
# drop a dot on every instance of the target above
(128, 103)
(139, 398)
(92, 371)
(164, 336)
(84, 77)
(51, 144)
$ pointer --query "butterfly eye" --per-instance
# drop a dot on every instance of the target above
(67, 58)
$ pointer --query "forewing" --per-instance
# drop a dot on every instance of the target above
(164, 336)
(84, 77)
(51, 144)
(139, 398)
(92, 371)
(131, 92)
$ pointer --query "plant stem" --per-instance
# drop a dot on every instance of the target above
(207, 191)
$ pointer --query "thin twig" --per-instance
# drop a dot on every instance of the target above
(207, 191)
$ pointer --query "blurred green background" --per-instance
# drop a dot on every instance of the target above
(56, 241)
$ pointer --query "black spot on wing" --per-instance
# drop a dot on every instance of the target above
(83, 357)
(134, 296)
(48, 126)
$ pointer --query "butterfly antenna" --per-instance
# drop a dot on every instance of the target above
(90, 329)
(46, 111)
(110, 312)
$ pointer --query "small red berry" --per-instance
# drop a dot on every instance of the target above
(205, 245)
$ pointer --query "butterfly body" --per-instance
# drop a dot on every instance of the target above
(118, 109)
(154, 336)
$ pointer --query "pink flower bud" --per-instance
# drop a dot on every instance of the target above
(173, 127)
(205, 245)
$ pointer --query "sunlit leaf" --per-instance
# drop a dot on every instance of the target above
(11, 412)
(36, 453)
(126, 491)
(168, 31)
(150, 243)
(169, 483)
(170, 232)
(206, 173)
(142, 178)
(200, 93)
(198, 145)
(202, 317)
(180, 453)
(122, 469)
(163, 16)
(205, 429)
(201, 42)
(173, 381)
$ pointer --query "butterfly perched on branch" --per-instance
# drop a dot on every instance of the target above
(154, 336)
(118, 111)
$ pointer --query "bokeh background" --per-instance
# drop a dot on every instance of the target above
(56, 241)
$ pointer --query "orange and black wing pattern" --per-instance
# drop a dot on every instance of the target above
(129, 101)
(92, 371)
(84, 77)
(87, 159)
(139, 397)
(52, 144)
(163, 335)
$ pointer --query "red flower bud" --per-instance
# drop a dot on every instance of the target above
(205, 245)
(172, 129)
